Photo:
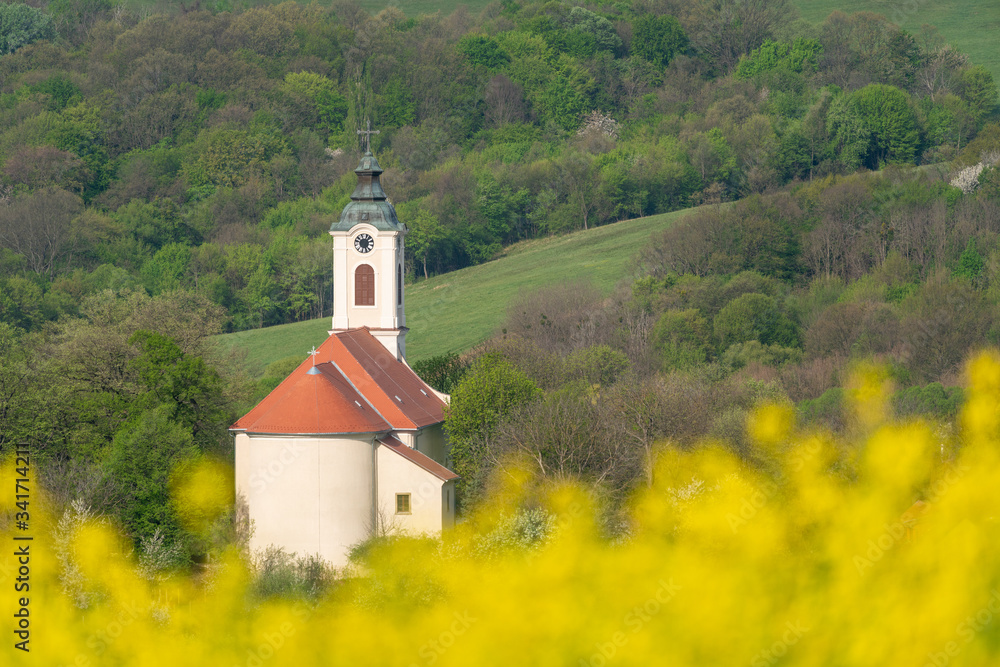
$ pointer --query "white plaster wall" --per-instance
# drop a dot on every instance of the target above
(398, 475)
(309, 495)
(340, 280)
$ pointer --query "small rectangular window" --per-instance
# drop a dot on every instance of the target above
(402, 503)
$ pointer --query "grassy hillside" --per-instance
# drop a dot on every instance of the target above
(455, 311)
(969, 25)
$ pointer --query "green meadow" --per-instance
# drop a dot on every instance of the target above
(968, 25)
(455, 311)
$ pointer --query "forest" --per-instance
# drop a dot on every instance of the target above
(169, 177)
(210, 151)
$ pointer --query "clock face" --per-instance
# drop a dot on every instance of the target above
(364, 243)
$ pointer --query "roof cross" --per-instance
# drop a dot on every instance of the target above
(368, 136)
(312, 353)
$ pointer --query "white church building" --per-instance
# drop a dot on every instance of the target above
(350, 445)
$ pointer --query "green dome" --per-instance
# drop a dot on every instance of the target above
(369, 204)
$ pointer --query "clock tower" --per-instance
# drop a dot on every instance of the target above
(368, 263)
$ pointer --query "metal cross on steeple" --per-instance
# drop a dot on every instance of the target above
(368, 136)
(312, 353)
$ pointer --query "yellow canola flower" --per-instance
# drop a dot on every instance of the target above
(771, 425)
(877, 551)
(201, 493)
(869, 390)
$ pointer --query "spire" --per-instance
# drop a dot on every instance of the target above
(368, 203)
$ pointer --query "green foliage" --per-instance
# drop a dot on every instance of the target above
(424, 233)
(597, 365)
(60, 90)
(802, 55)
(209, 99)
(278, 574)
(683, 338)
(184, 385)
(483, 51)
(979, 90)
(18, 397)
(970, 263)
(875, 126)
(754, 317)
(20, 303)
(156, 223)
(225, 157)
(77, 130)
(933, 401)
(327, 105)
(443, 372)
(828, 409)
(600, 29)
(394, 104)
(301, 215)
(658, 38)
(166, 270)
(739, 355)
(228, 115)
(145, 451)
(21, 25)
(490, 390)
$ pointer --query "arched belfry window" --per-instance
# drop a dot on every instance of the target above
(399, 285)
(364, 286)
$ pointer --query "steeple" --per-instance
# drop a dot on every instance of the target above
(368, 261)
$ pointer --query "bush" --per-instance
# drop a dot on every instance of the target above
(932, 400)
(827, 410)
(596, 365)
(682, 338)
(21, 25)
(754, 317)
(741, 354)
(486, 394)
(442, 372)
(280, 574)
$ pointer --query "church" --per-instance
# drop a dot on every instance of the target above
(350, 445)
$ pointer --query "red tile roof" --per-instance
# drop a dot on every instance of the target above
(392, 387)
(314, 403)
(358, 387)
(422, 460)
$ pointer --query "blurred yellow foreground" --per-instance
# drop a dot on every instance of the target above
(880, 551)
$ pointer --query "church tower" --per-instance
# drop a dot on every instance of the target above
(368, 263)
